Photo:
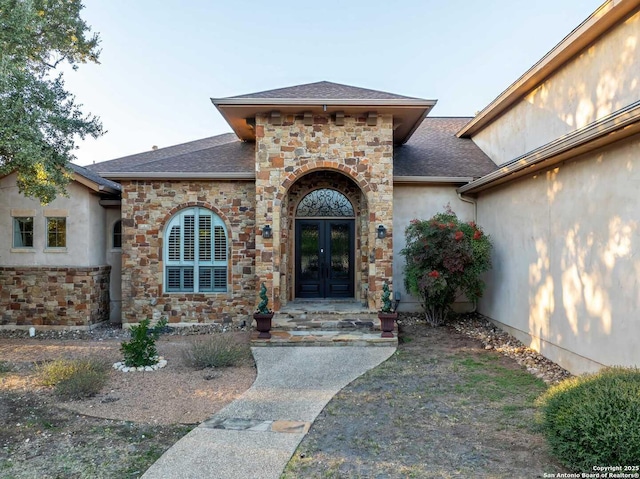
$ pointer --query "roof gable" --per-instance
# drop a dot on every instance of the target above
(323, 98)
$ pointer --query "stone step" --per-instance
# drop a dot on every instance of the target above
(323, 338)
(326, 316)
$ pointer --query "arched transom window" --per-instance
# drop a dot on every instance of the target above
(325, 202)
(195, 252)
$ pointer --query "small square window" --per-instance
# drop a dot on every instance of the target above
(23, 232)
(56, 232)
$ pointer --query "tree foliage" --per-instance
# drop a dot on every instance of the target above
(40, 120)
(444, 257)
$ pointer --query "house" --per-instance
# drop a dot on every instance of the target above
(312, 191)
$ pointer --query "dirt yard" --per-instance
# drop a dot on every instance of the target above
(445, 405)
(120, 432)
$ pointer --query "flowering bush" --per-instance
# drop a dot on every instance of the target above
(444, 257)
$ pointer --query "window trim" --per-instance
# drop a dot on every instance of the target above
(46, 233)
(193, 263)
(15, 221)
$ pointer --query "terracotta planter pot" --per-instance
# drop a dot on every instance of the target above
(263, 324)
(387, 323)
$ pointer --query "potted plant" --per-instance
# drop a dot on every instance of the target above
(387, 314)
(263, 315)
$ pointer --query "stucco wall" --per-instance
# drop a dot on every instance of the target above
(421, 202)
(147, 206)
(599, 81)
(85, 227)
(114, 259)
(566, 267)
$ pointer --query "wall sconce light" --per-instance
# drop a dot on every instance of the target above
(382, 232)
(267, 232)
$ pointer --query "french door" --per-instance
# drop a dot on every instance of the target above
(324, 258)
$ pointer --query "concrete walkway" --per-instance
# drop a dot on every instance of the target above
(255, 436)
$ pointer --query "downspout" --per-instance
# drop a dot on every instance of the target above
(468, 199)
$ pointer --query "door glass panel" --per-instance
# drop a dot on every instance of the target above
(309, 249)
(340, 246)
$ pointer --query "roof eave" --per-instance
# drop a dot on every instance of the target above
(424, 180)
(92, 185)
(173, 175)
(275, 102)
(612, 128)
(235, 111)
(600, 21)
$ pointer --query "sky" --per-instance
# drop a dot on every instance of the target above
(162, 61)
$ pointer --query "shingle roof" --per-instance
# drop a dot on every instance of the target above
(221, 153)
(435, 150)
(325, 90)
(93, 176)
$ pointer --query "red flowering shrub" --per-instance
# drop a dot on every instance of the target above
(444, 257)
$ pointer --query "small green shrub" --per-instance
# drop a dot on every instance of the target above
(594, 420)
(74, 378)
(218, 351)
(141, 350)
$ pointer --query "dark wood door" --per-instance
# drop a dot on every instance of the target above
(324, 258)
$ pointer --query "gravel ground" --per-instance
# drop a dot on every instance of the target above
(492, 338)
(121, 431)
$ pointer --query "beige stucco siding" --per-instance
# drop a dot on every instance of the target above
(85, 227)
(599, 81)
(421, 202)
(114, 259)
(566, 264)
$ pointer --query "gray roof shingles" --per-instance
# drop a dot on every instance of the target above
(221, 153)
(325, 90)
(93, 176)
(433, 150)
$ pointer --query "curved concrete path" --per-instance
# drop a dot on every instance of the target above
(255, 436)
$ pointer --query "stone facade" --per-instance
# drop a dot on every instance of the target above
(359, 150)
(75, 297)
(147, 206)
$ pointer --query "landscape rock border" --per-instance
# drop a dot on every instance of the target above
(121, 366)
(476, 326)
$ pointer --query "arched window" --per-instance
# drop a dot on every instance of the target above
(117, 234)
(195, 252)
(325, 202)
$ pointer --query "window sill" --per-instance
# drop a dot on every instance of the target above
(55, 250)
(198, 293)
(23, 250)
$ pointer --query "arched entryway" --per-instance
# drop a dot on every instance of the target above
(325, 229)
(325, 245)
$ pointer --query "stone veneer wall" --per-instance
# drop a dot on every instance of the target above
(147, 206)
(54, 296)
(287, 152)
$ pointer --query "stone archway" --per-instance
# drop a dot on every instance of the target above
(342, 184)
